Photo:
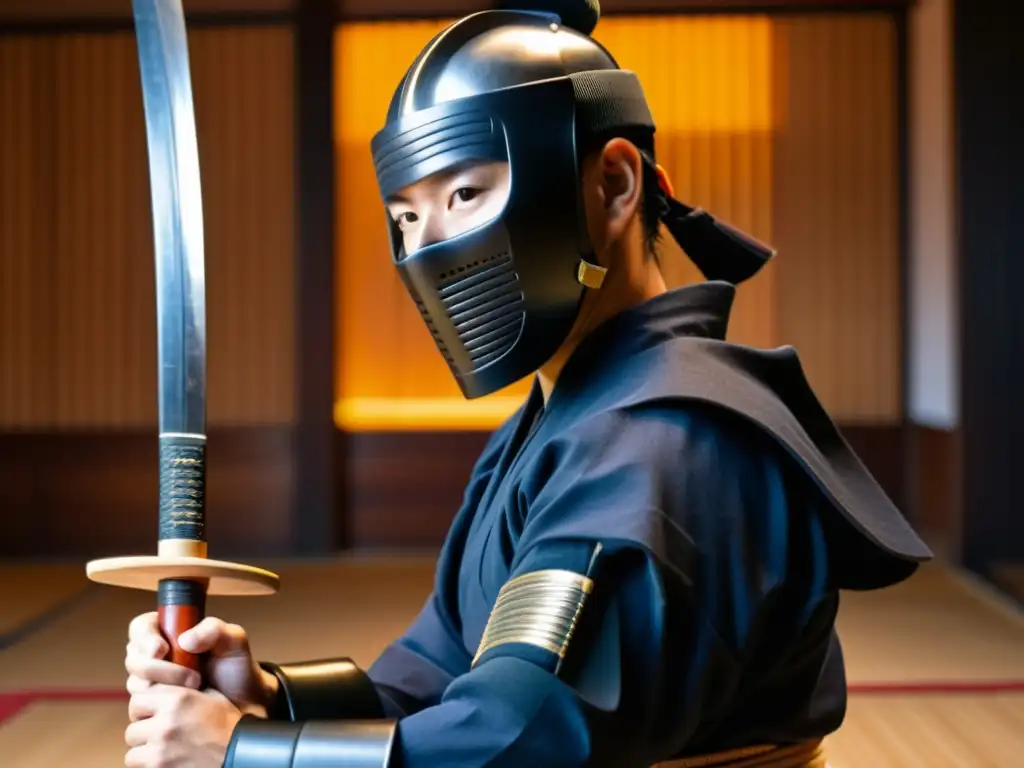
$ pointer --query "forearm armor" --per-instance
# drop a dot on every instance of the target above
(258, 743)
(328, 689)
(326, 714)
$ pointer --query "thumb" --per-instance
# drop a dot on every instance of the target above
(214, 636)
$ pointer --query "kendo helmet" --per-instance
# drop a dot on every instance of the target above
(529, 87)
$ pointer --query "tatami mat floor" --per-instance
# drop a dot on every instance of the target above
(936, 665)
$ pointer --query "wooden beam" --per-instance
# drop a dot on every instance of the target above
(366, 10)
(62, 10)
(34, 17)
(989, 164)
(315, 531)
(911, 453)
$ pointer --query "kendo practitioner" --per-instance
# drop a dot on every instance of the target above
(646, 566)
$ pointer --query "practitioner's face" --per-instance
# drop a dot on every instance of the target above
(448, 204)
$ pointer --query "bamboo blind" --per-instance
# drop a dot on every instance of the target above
(77, 311)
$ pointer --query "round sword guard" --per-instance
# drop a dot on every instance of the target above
(147, 571)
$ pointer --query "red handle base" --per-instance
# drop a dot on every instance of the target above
(181, 606)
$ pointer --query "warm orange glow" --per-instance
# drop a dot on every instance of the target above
(390, 375)
(412, 413)
(700, 74)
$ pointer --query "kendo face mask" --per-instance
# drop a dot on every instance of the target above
(500, 87)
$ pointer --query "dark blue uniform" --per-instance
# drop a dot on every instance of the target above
(688, 514)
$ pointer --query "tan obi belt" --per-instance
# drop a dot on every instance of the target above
(806, 754)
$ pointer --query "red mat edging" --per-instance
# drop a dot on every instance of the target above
(12, 702)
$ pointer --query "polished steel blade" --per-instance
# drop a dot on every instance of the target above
(177, 215)
(180, 281)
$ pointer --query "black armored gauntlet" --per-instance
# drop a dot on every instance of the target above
(326, 714)
(326, 689)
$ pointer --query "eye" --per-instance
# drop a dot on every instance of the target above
(406, 218)
(465, 194)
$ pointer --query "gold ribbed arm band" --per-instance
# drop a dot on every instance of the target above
(539, 609)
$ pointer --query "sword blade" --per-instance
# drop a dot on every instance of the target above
(177, 214)
(179, 260)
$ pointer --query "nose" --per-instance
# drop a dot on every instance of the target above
(432, 231)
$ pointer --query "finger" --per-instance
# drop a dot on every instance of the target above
(137, 685)
(159, 671)
(215, 636)
(161, 699)
(141, 757)
(139, 732)
(141, 706)
(153, 700)
(144, 635)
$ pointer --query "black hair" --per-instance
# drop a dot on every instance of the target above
(652, 202)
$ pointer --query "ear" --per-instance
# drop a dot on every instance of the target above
(620, 174)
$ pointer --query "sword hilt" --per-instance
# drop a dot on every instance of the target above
(182, 492)
(181, 603)
(181, 573)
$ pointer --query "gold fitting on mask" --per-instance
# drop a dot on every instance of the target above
(590, 275)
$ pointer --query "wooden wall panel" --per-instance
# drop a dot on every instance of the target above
(101, 359)
(934, 487)
(835, 193)
(77, 343)
(245, 118)
(26, 242)
(90, 494)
